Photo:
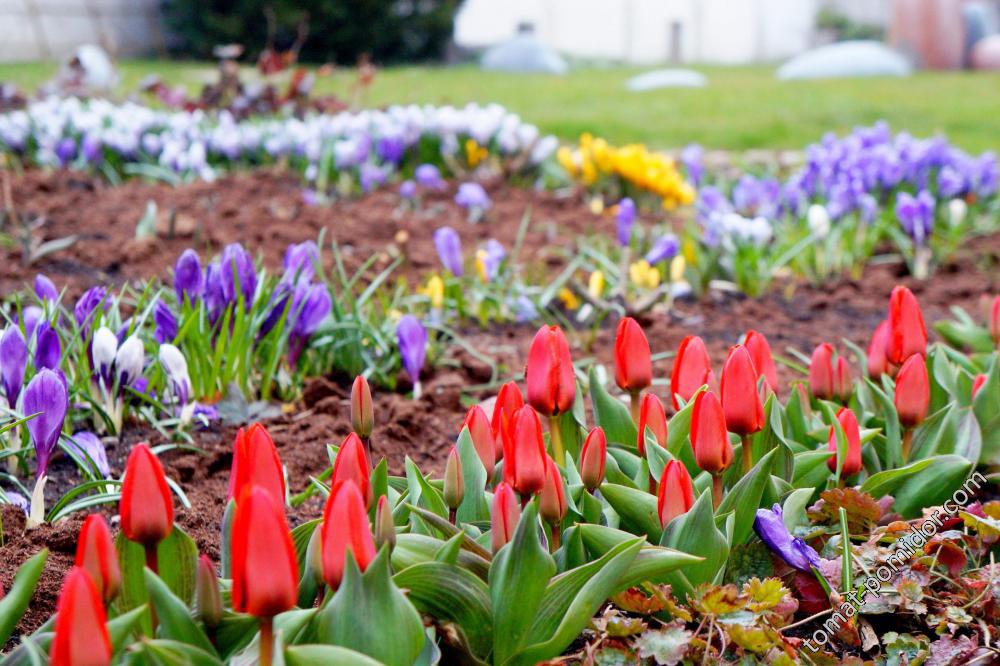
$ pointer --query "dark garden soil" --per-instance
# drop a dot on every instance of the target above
(264, 211)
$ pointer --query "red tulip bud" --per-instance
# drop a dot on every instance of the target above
(265, 570)
(549, 375)
(207, 595)
(852, 463)
(995, 320)
(633, 365)
(351, 464)
(256, 464)
(712, 449)
(552, 500)
(692, 370)
(878, 362)
(345, 528)
(362, 412)
(81, 635)
(907, 335)
(977, 384)
(913, 391)
(593, 458)
(454, 484)
(843, 384)
(504, 516)
(385, 529)
(524, 456)
(676, 494)
(95, 552)
(146, 508)
(652, 416)
(821, 372)
(508, 401)
(763, 360)
(740, 399)
(482, 437)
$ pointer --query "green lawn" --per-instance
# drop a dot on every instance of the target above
(742, 107)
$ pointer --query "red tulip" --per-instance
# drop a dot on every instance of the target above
(146, 508)
(549, 375)
(712, 449)
(913, 391)
(878, 362)
(633, 365)
(843, 384)
(81, 635)
(977, 384)
(652, 416)
(95, 552)
(692, 370)
(256, 463)
(593, 458)
(508, 401)
(738, 390)
(852, 463)
(524, 455)
(352, 464)
(482, 437)
(821, 372)
(763, 361)
(362, 411)
(265, 570)
(345, 528)
(995, 320)
(504, 516)
(907, 335)
(454, 484)
(675, 495)
(552, 499)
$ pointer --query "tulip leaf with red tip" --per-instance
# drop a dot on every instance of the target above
(744, 498)
(986, 407)
(177, 557)
(474, 505)
(18, 597)
(611, 414)
(636, 508)
(367, 606)
(323, 655)
(175, 621)
(696, 533)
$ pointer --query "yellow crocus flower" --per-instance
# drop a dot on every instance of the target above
(475, 153)
(481, 266)
(434, 291)
(644, 275)
(597, 205)
(569, 299)
(595, 285)
(677, 266)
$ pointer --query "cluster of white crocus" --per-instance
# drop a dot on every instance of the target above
(116, 367)
(69, 131)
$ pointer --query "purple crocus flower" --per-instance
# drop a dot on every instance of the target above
(449, 249)
(916, 215)
(472, 197)
(370, 176)
(66, 151)
(390, 148)
(493, 254)
(31, 316)
(13, 361)
(237, 274)
(45, 396)
(408, 189)
(45, 289)
(91, 148)
(165, 321)
(624, 221)
(951, 182)
(310, 306)
(300, 261)
(770, 527)
(428, 176)
(85, 307)
(48, 349)
(188, 276)
(17, 499)
(412, 337)
(664, 249)
(89, 446)
(691, 159)
(987, 174)
(215, 298)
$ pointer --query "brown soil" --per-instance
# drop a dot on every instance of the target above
(243, 208)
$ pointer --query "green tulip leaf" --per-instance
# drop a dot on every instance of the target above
(177, 562)
(744, 498)
(636, 508)
(612, 415)
(696, 533)
(18, 597)
(175, 621)
(324, 655)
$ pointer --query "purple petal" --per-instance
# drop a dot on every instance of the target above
(449, 249)
(88, 445)
(45, 396)
(13, 361)
(412, 337)
(45, 289)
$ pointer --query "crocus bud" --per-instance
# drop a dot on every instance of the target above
(738, 389)
(454, 484)
(352, 465)
(48, 349)
(652, 416)
(995, 320)
(482, 437)
(103, 351)
(843, 385)
(878, 362)
(45, 289)
(508, 401)
(852, 463)
(188, 276)
(81, 635)
(412, 339)
(146, 508)
(913, 391)
(345, 529)
(504, 516)
(552, 500)
(449, 249)
(208, 600)
(675, 495)
(524, 453)
(763, 360)
(907, 335)
(385, 529)
(633, 364)
(13, 361)
(821, 372)
(265, 570)
(362, 413)
(593, 458)
(175, 367)
(46, 396)
(256, 465)
(549, 375)
(978, 384)
(712, 449)
(95, 552)
(692, 370)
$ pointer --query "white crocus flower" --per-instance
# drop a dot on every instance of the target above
(957, 210)
(819, 220)
(129, 361)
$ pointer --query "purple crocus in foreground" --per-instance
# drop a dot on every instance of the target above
(237, 274)
(770, 527)
(84, 308)
(428, 176)
(48, 349)
(31, 315)
(45, 289)
(916, 215)
(449, 249)
(166, 323)
(13, 360)
(624, 221)
(300, 261)
(310, 306)
(412, 338)
(187, 276)
(664, 249)
(45, 397)
(89, 446)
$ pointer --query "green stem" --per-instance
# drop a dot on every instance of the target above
(907, 443)
(557, 444)
(266, 641)
(716, 490)
(153, 565)
(556, 536)
(747, 455)
(636, 407)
